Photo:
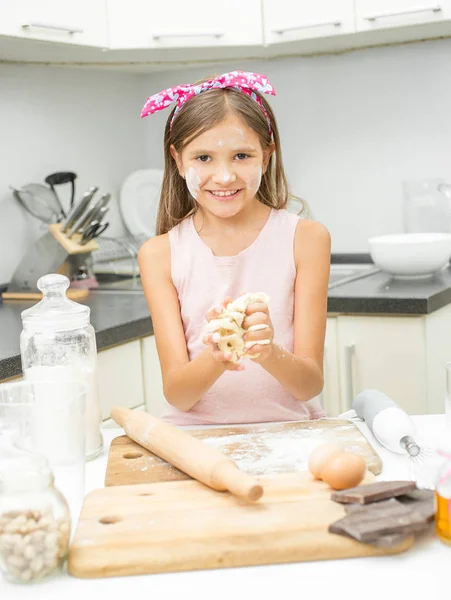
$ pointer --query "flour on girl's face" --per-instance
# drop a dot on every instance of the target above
(193, 182)
(253, 183)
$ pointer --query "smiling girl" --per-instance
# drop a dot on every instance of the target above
(222, 230)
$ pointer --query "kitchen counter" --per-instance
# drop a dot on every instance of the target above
(418, 573)
(116, 317)
(382, 294)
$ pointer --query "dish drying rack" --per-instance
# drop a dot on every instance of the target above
(114, 250)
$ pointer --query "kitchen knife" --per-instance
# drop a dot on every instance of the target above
(94, 229)
(78, 209)
(88, 215)
(97, 215)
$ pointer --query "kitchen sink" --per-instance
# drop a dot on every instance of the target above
(345, 273)
(339, 275)
(112, 282)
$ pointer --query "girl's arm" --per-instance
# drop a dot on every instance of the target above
(184, 381)
(301, 372)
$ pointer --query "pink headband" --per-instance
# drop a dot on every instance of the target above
(246, 82)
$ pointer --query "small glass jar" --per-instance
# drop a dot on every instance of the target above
(58, 343)
(35, 524)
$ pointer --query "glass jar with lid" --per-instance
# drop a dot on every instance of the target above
(35, 525)
(58, 343)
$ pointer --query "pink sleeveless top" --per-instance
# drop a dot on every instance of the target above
(203, 280)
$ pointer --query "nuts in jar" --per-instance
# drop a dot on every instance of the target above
(33, 543)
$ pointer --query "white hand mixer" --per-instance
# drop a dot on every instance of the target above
(392, 427)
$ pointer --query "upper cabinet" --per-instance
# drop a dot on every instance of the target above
(80, 22)
(184, 24)
(380, 14)
(286, 20)
(149, 34)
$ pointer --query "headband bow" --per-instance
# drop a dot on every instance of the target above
(246, 82)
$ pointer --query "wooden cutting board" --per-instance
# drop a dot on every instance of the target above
(184, 526)
(263, 449)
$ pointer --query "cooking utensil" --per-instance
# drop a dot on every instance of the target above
(89, 214)
(78, 209)
(184, 526)
(39, 201)
(390, 425)
(92, 231)
(185, 452)
(100, 210)
(59, 179)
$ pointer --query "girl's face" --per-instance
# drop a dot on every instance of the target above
(223, 167)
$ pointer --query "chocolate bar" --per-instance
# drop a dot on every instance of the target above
(373, 492)
(383, 519)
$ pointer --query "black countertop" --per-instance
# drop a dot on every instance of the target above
(121, 317)
(382, 294)
(116, 318)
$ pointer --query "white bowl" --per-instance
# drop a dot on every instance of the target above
(411, 254)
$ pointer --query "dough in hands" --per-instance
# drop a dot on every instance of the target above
(227, 327)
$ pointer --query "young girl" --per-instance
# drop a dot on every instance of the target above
(223, 230)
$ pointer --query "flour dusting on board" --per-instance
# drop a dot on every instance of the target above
(263, 452)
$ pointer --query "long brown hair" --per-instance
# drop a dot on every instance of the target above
(199, 114)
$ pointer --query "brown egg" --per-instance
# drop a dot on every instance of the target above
(320, 455)
(344, 470)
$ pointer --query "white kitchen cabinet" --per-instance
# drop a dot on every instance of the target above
(81, 22)
(381, 14)
(182, 24)
(155, 401)
(387, 353)
(403, 356)
(120, 377)
(285, 20)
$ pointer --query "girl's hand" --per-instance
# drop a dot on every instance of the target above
(209, 340)
(257, 315)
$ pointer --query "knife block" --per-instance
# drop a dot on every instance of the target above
(61, 255)
(72, 245)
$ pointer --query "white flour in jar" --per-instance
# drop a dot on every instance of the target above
(66, 439)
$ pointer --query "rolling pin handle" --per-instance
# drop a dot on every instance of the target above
(237, 482)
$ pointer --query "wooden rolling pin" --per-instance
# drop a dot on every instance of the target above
(190, 455)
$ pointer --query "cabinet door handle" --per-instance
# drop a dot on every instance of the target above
(348, 354)
(217, 34)
(400, 13)
(69, 30)
(281, 30)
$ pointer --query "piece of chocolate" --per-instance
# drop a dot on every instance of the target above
(381, 519)
(373, 492)
(382, 541)
(352, 508)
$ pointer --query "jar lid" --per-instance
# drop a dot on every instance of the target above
(55, 310)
